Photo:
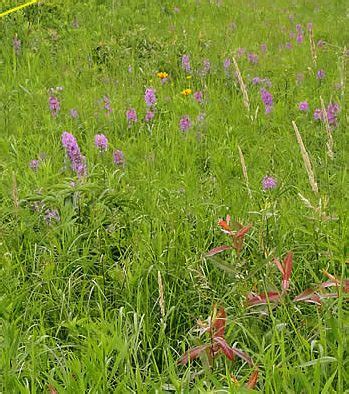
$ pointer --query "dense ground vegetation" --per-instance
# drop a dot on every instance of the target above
(128, 130)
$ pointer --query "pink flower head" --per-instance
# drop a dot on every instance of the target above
(185, 123)
(149, 97)
(269, 182)
(54, 105)
(198, 96)
(119, 158)
(101, 142)
(131, 116)
(149, 116)
(303, 106)
(320, 74)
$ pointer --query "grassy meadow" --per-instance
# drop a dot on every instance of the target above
(108, 260)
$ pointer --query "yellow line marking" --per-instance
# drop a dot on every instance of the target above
(19, 7)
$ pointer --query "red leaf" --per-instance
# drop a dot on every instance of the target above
(220, 322)
(192, 354)
(263, 298)
(252, 381)
(309, 296)
(241, 233)
(224, 224)
(244, 356)
(288, 261)
(329, 283)
(280, 266)
(217, 250)
(226, 349)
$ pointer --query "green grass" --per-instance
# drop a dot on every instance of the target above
(79, 299)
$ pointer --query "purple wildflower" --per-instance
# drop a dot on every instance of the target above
(54, 105)
(256, 80)
(252, 58)
(268, 183)
(240, 52)
(107, 105)
(77, 160)
(149, 97)
(226, 64)
(299, 28)
(119, 158)
(131, 116)
(320, 74)
(303, 106)
(264, 48)
(185, 123)
(186, 63)
(332, 111)
(101, 142)
(16, 42)
(318, 115)
(74, 113)
(206, 67)
(299, 38)
(288, 45)
(198, 96)
(51, 216)
(267, 99)
(310, 27)
(34, 164)
(149, 116)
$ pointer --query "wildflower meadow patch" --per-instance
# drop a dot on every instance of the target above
(174, 196)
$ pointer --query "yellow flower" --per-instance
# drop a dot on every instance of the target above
(162, 75)
(186, 92)
(188, 76)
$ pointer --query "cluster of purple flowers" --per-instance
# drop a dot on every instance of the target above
(331, 113)
(54, 105)
(131, 116)
(261, 81)
(150, 101)
(303, 106)
(268, 182)
(74, 113)
(186, 63)
(252, 58)
(267, 99)
(185, 123)
(320, 74)
(51, 216)
(34, 164)
(299, 33)
(77, 160)
(206, 67)
(101, 142)
(119, 158)
(149, 97)
(198, 96)
(107, 105)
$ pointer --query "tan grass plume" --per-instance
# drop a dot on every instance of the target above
(245, 98)
(306, 160)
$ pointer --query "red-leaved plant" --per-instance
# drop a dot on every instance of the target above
(309, 295)
(215, 328)
(316, 296)
(274, 296)
(236, 232)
